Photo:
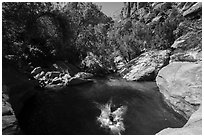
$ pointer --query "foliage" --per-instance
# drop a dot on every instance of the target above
(16, 17)
(133, 36)
(41, 33)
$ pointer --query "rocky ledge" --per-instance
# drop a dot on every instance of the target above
(59, 79)
(146, 66)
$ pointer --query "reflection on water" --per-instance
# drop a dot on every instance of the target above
(73, 110)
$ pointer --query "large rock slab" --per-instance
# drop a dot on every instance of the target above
(181, 85)
(146, 66)
(192, 127)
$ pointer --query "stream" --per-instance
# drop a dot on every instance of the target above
(83, 110)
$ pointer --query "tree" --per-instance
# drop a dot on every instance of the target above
(16, 17)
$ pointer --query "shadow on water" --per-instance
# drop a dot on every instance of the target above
(73, 110)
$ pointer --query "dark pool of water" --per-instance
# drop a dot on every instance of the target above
(73, 110)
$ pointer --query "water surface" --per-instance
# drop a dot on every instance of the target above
(73, 110)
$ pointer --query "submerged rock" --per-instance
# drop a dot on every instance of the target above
(146, 66)
(181, 85)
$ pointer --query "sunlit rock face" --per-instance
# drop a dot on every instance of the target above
(146, 66)
(181, 85)
(112, 119)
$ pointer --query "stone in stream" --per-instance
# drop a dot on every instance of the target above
(181, 85)
(83, 75)
(52, 74)
(39, 75)
(56, 81)
(36, 71)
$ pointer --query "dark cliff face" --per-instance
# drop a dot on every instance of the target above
(74, 109)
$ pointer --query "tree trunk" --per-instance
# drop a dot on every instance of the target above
(128, 9)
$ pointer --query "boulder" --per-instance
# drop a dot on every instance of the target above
(193, 10)
(39, 75)
(181, 85)
(83, 75)
(6, 109)
(6, 106)
(9, 121)
(192, 127)
(56, 81)
(36, 71)
(52, 75)
(146, 66)
(119, 62)
(66, 78)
